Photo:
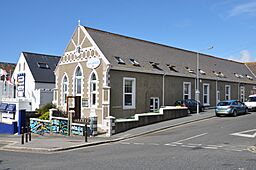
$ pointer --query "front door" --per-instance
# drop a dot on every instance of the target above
(154, 104)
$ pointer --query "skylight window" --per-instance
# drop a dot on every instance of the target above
(134, 62)
(190, 70)
(221, 75)
(237, 75)
(249, 77)
(202, 72)
(43, 65)
(155, 65)
(172, 67)
(119, 60)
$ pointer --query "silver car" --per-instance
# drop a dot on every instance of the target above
(230, 107)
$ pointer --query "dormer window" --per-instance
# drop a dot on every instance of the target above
(155, 65)
(43, 65)
(171, 67)
(202, 72)
(119, 60)
(190, 70)
(134, 62)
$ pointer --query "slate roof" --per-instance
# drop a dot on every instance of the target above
(145, 52)
(42, 75)
(251, 66)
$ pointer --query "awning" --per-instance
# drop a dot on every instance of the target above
(11, 108)
(3, 106)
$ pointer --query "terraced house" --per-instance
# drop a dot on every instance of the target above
(116, 75)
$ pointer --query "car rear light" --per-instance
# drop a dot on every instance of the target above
(230, 107)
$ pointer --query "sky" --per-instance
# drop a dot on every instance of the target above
(46, 26)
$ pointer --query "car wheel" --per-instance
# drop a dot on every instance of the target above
(234, 113)
(217, 115)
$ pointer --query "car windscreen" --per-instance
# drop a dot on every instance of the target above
(224, 103)
(251, 99)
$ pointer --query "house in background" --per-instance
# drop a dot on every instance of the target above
(34, 79)
(6, 84)
(116, 75)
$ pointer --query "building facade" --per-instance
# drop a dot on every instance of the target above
(34, 79)
(120, 76)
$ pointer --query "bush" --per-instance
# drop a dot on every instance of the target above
(42, 110)
(45, 116)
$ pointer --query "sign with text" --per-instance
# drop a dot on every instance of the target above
(21, 85)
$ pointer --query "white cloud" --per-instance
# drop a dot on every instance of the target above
(246, 8)
(245, 56)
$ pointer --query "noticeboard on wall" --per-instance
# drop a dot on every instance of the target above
(85, 102)
(21, 85)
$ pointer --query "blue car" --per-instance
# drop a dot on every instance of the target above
(230, 107)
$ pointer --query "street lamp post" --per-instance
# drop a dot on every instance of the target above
(197, 80)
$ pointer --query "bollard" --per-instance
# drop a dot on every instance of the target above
(22, 135)
(85, 133)
(26, 135)
(29, 133)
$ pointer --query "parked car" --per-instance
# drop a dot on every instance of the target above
(191, 104)
(251, 102)
(230, 107)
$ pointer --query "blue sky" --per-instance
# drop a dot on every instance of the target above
(46, 26)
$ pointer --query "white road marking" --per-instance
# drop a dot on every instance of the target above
(155, 144)
(228, 149)
(169, 144)
(243, 133)
(188, 146)
(196, 136)
(208, 147)
(125, 143)
(195, 144)
(178, 143)
(215, 146)
(138, 143)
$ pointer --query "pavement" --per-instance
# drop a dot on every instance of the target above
(54, 143)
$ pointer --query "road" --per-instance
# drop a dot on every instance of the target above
(217, 143)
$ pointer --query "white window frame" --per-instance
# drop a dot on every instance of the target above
(206, 94)
(64, 93)
(93, 92)
(189, 89)
(227, 93)
(133, 106)
(78, 78)
(154, 107)
(242, 93)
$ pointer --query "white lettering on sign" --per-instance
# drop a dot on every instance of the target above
(93, 63)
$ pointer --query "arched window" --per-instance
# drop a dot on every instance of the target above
(93, 87)
(78, 81)
(64, 89)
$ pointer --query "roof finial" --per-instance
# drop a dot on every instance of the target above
(79, 23)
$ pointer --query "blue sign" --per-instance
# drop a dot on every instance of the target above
(21, 85)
